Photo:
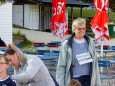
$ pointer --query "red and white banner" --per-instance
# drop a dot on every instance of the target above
(59, 24)
(100, 21)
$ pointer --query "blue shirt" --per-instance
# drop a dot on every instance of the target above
(79, 48)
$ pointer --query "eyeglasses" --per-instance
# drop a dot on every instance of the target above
(81, 28)
(1, 63)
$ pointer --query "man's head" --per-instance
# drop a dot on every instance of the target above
(3, 64)
(12, 57)
(74, 83)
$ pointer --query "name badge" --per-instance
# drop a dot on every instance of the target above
(84, 58)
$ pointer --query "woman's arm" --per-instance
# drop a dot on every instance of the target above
(34, 64)
(61, 67)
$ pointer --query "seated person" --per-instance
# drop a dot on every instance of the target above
(74, 82)
(5, 80)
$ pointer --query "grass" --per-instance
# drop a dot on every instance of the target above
(85, 13)
(17, 26)
(25, 42)
(89, 13)
(112, 16)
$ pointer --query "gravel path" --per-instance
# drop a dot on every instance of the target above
(39, 36)
(46, 37)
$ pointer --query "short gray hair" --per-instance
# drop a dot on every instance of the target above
(78, 22)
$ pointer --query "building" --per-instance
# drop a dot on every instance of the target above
(36, 14)
(6, 22)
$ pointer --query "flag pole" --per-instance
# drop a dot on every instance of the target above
(102, 43)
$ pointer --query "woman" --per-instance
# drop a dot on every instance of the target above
(5, 80)
(77, 58)
(29, 69)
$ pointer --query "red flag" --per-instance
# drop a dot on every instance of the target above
(59, 25)
(100, 21)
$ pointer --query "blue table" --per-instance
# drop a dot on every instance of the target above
(50, 56)
(112, 61)
(2, 48)
(105, 51)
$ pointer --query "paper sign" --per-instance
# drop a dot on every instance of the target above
(84, 58)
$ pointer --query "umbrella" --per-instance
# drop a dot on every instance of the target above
(99, 23)
(59, 25)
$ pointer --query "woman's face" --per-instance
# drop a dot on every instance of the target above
(13, 59)
(3, 66)
(80, 32)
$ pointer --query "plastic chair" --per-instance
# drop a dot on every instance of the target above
(106, 74)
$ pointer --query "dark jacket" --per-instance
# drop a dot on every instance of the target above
(7, 82)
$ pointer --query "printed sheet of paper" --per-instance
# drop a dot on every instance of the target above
(84, 58)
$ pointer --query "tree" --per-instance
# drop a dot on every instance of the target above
(87, 0)
(2, 1)
(112, 4)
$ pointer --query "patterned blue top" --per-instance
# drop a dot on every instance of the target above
(79, 48)
(7, 82)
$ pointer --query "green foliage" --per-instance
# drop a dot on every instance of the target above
(26, 42)
(2, 1)
(85, 13)
(89, 13)
(17, 34)
(112, 16)
(112, 4)
(87, 0)
(17, 26)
